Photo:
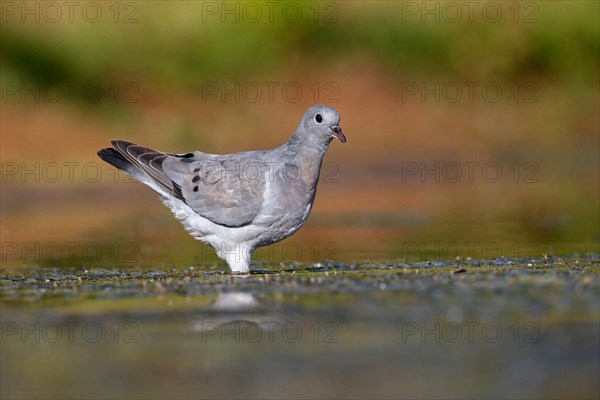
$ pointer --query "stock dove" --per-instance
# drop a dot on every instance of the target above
(237, 202)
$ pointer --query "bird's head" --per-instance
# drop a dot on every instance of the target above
(322, 123)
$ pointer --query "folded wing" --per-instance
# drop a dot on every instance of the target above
(227, 190)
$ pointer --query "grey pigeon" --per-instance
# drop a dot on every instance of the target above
(237, 202)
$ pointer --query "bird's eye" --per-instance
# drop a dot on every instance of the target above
(318, 118)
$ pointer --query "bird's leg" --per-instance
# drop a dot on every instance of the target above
(238, 257)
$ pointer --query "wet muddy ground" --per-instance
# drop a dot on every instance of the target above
(526, 328)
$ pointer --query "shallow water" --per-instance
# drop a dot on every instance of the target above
(478, 328)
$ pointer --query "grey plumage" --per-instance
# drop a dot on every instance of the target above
(237, 202)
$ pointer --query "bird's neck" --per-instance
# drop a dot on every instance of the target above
(308, 156)
(305, 150)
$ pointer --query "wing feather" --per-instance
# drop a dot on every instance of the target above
(218, 189)
(215, 187)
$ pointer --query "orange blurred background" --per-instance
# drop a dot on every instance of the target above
(474, 138)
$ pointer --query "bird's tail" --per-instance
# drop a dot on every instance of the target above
(115, 159)
(142, 164)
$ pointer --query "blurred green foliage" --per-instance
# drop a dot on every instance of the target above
(184, 46)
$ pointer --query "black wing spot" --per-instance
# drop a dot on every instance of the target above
(187, 155)
(195, 188)
(196, 178)
(196, 169)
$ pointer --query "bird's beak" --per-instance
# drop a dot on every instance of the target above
(337, 132)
